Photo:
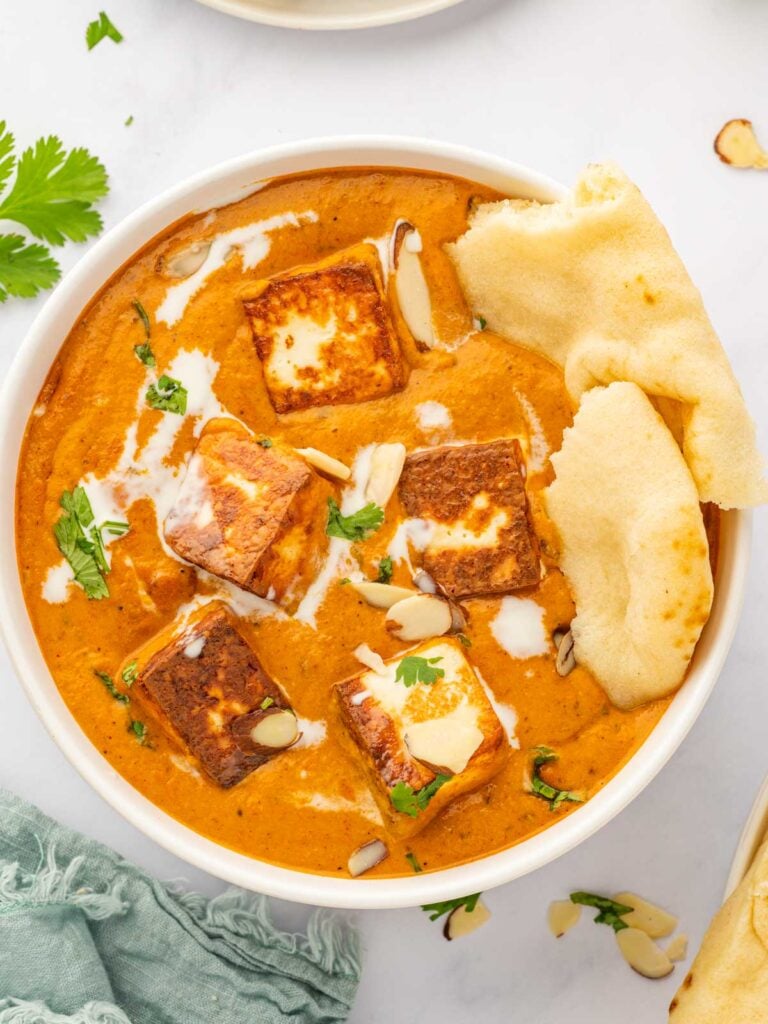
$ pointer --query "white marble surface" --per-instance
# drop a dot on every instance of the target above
(553, 84)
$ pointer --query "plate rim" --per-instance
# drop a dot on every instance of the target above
(248, 11)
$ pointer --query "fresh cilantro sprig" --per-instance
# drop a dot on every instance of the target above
(167, 395)
(356, 526)
(102, 28)
(555, 796)
(385, 570)
(52, 197)
(413, 669)
(80, 541)
(436, 910)
(611, 912)
(144, 351)
(109, 684)
(412, 802)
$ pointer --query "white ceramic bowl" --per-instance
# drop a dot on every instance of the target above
(222, 184)
(752, 835)
(329, 14)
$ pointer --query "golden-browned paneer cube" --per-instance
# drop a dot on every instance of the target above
(323, 332)
(482, 539)
(251, 514)
(425, 730)
(205, 685)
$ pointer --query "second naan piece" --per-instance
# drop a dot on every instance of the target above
(634, 548)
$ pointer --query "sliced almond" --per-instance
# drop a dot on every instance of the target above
(562, 915)
(462, 922)
(736, 144)
(677, 948)
(411, 286)
(370, 659)
(325, 463)
(445, 745)
(646, 916)
(424, 582)
(380, 595)
(186, 262)
(387, 464)
(565, 662)
(642, 954)
(266, 729)
(367, 857)
(419, 617)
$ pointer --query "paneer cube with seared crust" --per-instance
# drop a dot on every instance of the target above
(324, 334)
(481, 538)
(251, 514)
(425, 730)
(204, 683)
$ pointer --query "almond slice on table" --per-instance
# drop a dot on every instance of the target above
(649, 918)
(411, 286)
(387, 464)
(642, 954)
(736, 144)
(677, 948)
(367, 857)
(462, 922)
(380, 595)
(419, 617)
(562, 915)
(325, 463)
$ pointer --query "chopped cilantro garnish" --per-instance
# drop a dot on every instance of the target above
(555, 796)
(482, 323)
(413, 860)
(344, 581)
(413, 669)
(144, 351)
(117, 529)
(356, 526)
(412, 801)
(385, 570)
(464, 640)
(100, 29)
(128, 675)
(109, 683)
(265, 442)
(436, 910)
(266, 703)
(168, 395)
(128, 121)
(611, 912)
(80, 541)
(52, 198)
(139, 730)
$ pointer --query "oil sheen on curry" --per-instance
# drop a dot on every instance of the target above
(281, 536)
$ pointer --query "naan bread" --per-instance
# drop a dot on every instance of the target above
(728, 982)
(594, 283)
(634, 548)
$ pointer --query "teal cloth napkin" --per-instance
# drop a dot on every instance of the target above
(87, 938)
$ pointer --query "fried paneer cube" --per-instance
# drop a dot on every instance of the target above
(251, 514)
(473, 496)
(324, 334)
(206, 686)
(425, 731)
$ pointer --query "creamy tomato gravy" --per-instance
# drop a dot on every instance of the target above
(92, 426)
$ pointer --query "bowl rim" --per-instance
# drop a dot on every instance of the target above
(320, 22)
(225, 182)
(750, 839)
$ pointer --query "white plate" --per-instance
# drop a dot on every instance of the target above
(224, 183)
(329, 14)
(752, 835)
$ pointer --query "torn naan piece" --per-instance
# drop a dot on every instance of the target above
(594, 283)
(728, 981)
(633, 545)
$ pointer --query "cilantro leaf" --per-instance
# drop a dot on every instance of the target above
(413, 669)
(410, 801)
(110, 686)
(100, 29)
(385, 570)
(25, 269)
(139, 730)
(265, 442)
(7, 159)
(540, 788)
(78, 543)
(53, 192)
(267, 703)
(356, 526)
(144, 351)
(168, 395)
(436, 910)
(464, 640)
(128, 121)
(611, 912)
(129, 673)
(413, 860)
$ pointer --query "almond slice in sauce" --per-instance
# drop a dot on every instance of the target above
(387, 464)
(411, 286)
(565, 661)
(462, 922)
(370, 659)
(186, 262)
(267, 730)
(736, 144)
(325, 463)
(562, 915)
(642, 954)
(367, 857)
(380, 595)
(646, 916)
(419, 617)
